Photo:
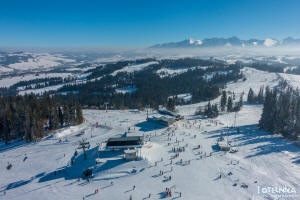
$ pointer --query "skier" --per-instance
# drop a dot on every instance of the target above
(133, 187)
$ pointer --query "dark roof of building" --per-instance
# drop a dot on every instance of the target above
(123, 139)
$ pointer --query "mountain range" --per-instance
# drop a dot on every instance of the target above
(229, 42)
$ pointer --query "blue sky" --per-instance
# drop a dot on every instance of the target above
(139, 23)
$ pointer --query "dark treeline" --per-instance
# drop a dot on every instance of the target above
(34, 84)
(7, 91)
(281, 112)
(276, 67)
(190, 62)
(42, 82)
(30, 117)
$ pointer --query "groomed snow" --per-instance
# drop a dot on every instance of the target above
(262, 159)
(254, 79)
(197, 173)
(292, 79)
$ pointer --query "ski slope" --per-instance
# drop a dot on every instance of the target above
(254, 79)
(197, 173)
(292, 80)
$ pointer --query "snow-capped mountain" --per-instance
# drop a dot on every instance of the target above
(229, 42)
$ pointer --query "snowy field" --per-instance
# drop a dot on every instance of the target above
(44, 60)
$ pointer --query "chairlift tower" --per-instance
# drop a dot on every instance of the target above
(106, 103)
(147, 107)
(235, 116)
(84, 145)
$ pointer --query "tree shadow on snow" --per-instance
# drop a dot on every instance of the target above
(75, 171)
(265, 142)
(12, 145)
(22, 182)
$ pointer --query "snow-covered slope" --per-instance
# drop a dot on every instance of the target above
(197, 173)
(292, 80)
(133, 68)
(261, 159)
(254, 79)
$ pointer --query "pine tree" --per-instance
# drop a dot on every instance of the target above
(60, 116)
(171, 104)
(229, 104)
(66, 114)
(260, 96)
(215, 110)
(240, 104)
(223, 100)
(72, 114)
(251, 96)
(79, 116)
(28, 126)
(208, 110)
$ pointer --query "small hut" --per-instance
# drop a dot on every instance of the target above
(224, 146)
(130, 154)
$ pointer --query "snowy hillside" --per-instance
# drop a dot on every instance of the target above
(292, 80)
(254, 79)
(134, 68)
(261, 159)
(43, 170)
